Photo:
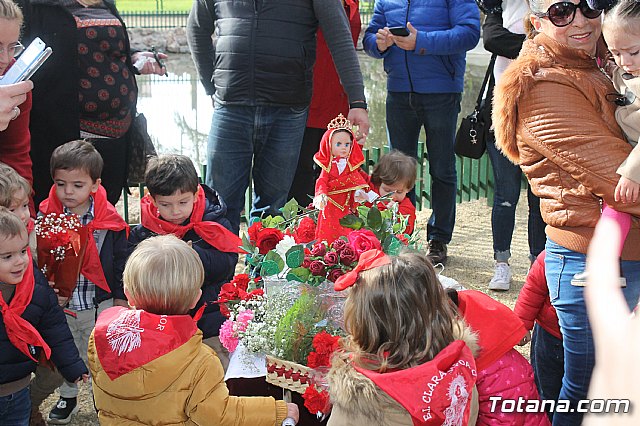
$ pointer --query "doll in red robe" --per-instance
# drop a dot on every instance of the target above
(342, 184)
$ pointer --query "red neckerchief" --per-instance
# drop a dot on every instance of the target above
(324, 157)
(127, 339)
(437, 392)
(31, 225)
(368, 260)
(22, 334)
(105, 217)
(212, 232)
(498, 328)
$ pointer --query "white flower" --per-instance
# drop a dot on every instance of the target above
(284, 245)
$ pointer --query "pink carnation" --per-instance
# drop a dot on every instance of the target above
(228, 336)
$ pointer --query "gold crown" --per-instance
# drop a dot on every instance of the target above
(340, 122)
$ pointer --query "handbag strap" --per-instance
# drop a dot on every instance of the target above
(487, 75)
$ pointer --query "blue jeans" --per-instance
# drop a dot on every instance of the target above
(547, 360)
(507, 178)
(407, 113)
(15, 409)
(268, 137)
(561, 265)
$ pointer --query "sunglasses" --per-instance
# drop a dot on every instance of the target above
(563, 13)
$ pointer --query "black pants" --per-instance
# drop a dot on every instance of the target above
(547, 360)
(304, 183)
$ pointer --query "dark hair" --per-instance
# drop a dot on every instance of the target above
(167, 174)
(77, 155)
(395, 167)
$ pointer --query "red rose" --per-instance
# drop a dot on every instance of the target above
(318, 249)
(317, 268)
(306, 262)
(331, 258)
(241, 281)
(268, 238)
(306, 231)
(348, 256)
(253, 232)
(334, 274)
(339, 244)
(363, 240)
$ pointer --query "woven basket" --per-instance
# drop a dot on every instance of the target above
(288, 375)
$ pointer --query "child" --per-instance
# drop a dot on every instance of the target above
(149, 363)
(401, 327)
(178, 204)
(15, 192)
(342, 182)
(31, 324)
(75, 168)
(547, 354)
(396, 173)
(502, 371)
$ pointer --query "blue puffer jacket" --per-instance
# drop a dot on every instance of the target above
(44, 313)
(447, 29)
(218, 266)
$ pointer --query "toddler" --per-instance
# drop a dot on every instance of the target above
(396, 174)
(342, 183)
(178, 204)
(149, 365)
(15, 193)
(32, 324)
(400, 327)
(75, 168)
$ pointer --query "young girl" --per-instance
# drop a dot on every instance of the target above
(396, 174)
(400, 327)
(342, 183)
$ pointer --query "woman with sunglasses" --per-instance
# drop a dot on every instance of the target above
(552, 117)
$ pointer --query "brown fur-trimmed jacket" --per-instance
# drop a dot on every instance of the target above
(551, 117)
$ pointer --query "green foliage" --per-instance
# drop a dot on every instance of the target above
(296, 329)
(295, 256)
(290, 209)
(272, 264)
(352, 221)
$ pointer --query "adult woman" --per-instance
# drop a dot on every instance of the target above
(86, 89)
(552, 117)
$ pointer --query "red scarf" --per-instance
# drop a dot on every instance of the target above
(212, 232)
(127, 339)
(105, 217)
(22, 334)
(437, 392)
(324, 157)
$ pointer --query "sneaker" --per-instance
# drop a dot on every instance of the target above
(65, 409)
(437, 252)
(501, 280)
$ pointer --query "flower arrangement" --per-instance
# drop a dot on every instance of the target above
(61, 243)
(316, 396)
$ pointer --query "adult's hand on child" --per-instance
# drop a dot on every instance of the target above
(384, 39)
(293, 412)
(11, 96)
(616, 335)
(408, 42)
(626, 190)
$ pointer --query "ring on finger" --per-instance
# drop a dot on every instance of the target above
(16, 113)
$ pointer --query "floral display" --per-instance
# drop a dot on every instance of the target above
(62, 241)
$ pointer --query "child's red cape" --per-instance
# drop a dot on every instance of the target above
(127, 339)
(212, 232)
(105, 217)
(22, 334)
(437, 392)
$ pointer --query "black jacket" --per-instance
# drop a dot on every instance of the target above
(113, 256)
(48, 318)
(499, 40)
(218, 266)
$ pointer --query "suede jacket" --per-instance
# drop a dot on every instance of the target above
(552, 117)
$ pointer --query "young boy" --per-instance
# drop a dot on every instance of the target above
(31, 323)
(75, 168)
(178, 204)
(396, 173)
(149, 363)
(14, 195)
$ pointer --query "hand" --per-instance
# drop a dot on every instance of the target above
(408, 42)
(84, 378)
(11, 96)
(360, 196)
(526, 339)
(293, 412)
(62, 301)
(120, 302)
(384, 39)
(150, 65)
(320, 201)
(360, 117)
(626, 190)
(616, 335)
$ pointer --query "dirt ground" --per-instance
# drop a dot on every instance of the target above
(470, 263)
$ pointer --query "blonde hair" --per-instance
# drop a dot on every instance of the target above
(10, 11)
(625, 16)
(397, 315)
(163, 275)
(10, 183)
(10, 224)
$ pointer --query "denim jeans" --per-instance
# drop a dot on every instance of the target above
(561, 265)
(507, 178)
(15, 409)
(268, 137)
(407, 113)
(547, 360)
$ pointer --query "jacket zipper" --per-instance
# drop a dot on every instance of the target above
(406, 53)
